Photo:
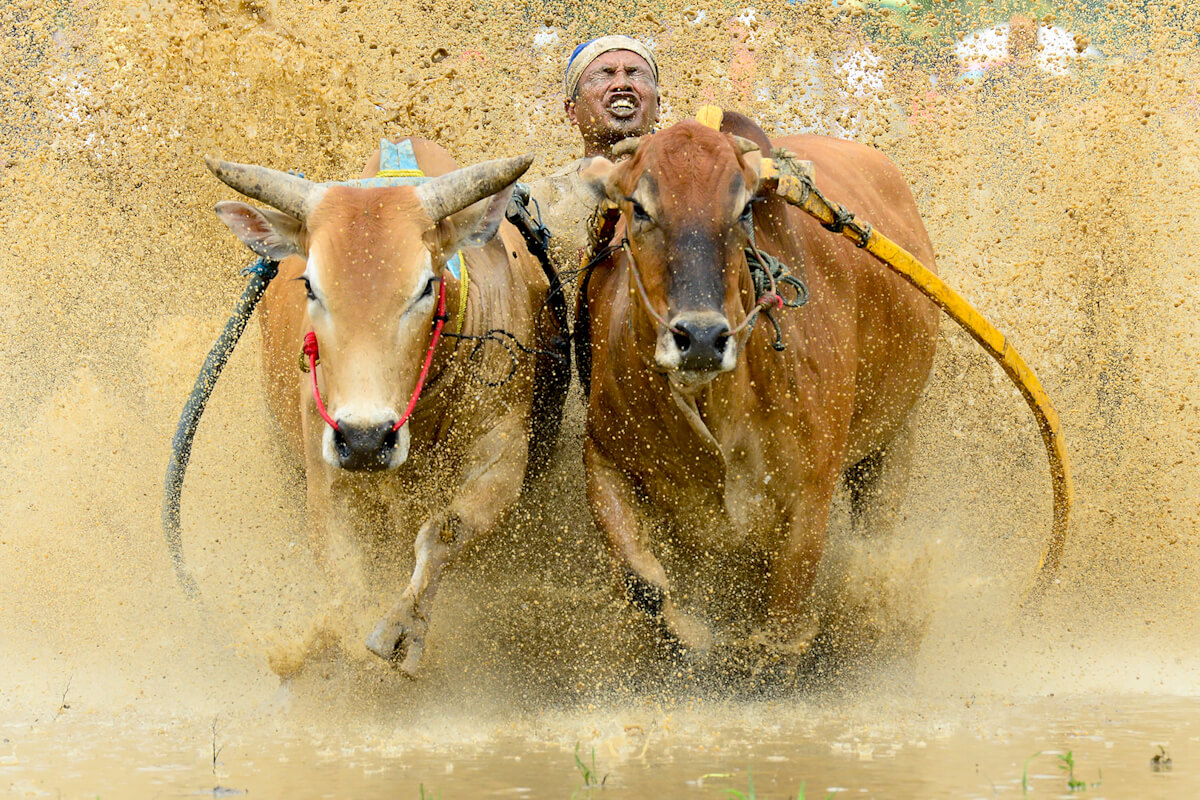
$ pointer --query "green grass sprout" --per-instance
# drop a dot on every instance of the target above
(587, 771)
(1025, 773)
(746, 795)
(800, 794)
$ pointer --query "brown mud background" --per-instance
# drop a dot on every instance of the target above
(1061, 206)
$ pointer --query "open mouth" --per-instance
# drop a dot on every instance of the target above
(623, 106)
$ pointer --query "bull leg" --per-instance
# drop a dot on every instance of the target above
(335, 521)
(614, 509)
(343, 512)
(340, 518)
(792, 624)
(878, 483)
(494, 470)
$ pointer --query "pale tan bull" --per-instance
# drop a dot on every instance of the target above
(363, 269)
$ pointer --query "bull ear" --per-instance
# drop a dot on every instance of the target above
(480, 222)
(597, 175)
(270, 233)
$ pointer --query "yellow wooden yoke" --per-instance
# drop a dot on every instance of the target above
(793, 181)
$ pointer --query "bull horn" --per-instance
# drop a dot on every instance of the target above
(744, 145)
(626, 147)
(290, 194)
(450, 193)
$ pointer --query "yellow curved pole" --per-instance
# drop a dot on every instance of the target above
(794, 183)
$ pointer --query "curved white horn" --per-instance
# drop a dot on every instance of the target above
(454, 191)
(290, 194)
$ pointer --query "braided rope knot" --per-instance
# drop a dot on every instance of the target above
(310, 352)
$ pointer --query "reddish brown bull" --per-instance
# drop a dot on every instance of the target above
(704, 440)
(363, 268)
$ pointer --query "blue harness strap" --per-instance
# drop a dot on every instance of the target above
(398, 166)
(398, 160)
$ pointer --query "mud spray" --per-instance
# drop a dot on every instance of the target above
(1059, 189)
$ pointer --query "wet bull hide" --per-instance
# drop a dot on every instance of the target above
(706, 444)
(362, 268)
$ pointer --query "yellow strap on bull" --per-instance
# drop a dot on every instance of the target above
(400, 173)
(464, 281)
(793, 181)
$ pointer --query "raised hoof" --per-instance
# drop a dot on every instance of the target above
(395, 643)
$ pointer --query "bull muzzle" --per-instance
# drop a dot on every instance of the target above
(366, 447)
(697, 344)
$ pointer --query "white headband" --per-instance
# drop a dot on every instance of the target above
(598, 47)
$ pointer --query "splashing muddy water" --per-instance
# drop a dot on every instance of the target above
(1059, 189)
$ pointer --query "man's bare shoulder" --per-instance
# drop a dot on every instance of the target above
(566, 202)
(565, 178)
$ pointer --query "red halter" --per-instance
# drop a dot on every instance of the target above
(313, 352)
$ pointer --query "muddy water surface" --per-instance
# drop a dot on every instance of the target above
(982, 749)
(1060, 198)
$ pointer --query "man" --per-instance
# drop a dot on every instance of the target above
(611, 93)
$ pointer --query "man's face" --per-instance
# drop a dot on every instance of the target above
(617, 97)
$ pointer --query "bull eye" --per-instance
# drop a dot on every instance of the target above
(428, 290)
(639, 212)
(307, 288)
(747, 217)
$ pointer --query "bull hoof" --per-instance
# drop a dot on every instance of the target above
(793, 640)
(412, 660)
(395, 643)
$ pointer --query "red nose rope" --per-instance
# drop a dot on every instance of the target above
(312, 351)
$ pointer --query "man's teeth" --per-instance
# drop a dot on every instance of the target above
(622, 103)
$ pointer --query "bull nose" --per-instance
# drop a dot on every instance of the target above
(364, 447)
(702, 341)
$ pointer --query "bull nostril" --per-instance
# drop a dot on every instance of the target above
(720, 342)
(365, 447)
(682, 340)
(340, 444)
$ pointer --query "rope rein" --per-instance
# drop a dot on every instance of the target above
(766, 272)
(508, 341)
(312, 351)
(641, 288)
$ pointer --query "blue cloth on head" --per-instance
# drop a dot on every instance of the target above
(577, 51)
